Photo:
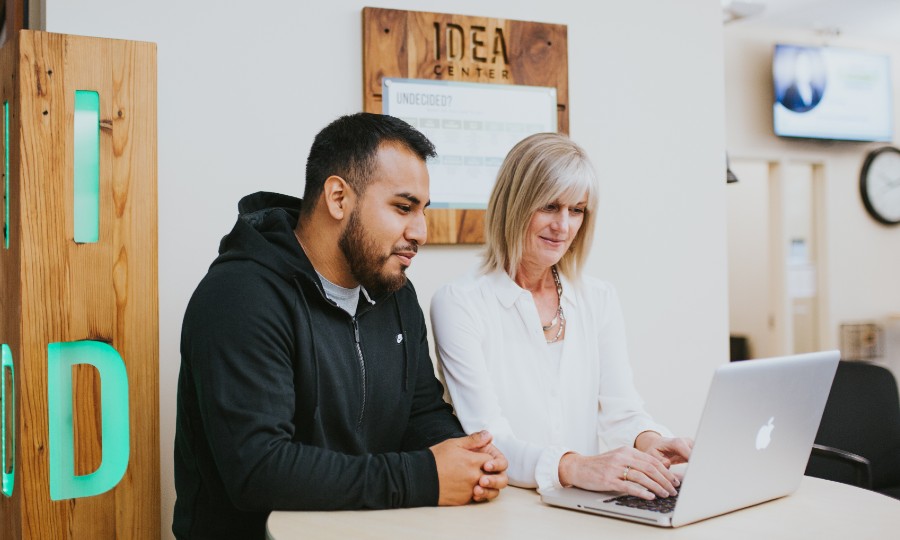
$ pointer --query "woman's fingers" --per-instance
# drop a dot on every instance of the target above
(646, 482)
(637, 490)
(650, 473)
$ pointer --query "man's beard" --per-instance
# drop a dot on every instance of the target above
(366, 262)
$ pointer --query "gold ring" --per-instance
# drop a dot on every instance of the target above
(625, 473)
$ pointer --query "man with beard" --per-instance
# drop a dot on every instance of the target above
(306, 381)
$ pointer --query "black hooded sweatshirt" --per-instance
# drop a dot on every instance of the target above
(286, 402)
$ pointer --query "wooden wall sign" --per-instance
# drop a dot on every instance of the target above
(79, 380)
(439, 46)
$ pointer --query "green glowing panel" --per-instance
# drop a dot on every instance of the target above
(114, 431)
(87, 166)
(8, 409)
(6, 174)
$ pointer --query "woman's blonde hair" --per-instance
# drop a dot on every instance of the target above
(540, 169)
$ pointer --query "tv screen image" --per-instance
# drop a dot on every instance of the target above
(832, 93)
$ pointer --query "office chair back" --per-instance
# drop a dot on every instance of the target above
(862, 416)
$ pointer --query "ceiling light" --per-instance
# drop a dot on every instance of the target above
(733, 10)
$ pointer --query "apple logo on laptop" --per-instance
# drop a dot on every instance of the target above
(764, 435)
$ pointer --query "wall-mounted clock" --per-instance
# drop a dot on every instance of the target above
(879, 185)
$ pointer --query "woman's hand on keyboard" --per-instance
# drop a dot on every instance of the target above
(625, 470)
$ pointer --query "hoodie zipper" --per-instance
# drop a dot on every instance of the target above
(362, 371)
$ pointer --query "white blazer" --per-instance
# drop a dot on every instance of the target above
(491, 346)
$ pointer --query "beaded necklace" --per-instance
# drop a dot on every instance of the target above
(560, 317)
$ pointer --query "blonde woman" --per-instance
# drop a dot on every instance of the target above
(535, 352)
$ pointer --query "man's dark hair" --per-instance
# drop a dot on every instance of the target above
(347, 148)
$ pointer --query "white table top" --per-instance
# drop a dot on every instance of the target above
(819, 509)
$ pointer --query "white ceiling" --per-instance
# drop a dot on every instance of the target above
(875, 19)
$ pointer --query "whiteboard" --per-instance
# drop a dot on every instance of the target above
(473, 126)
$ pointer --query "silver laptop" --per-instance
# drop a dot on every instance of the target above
(755, 436)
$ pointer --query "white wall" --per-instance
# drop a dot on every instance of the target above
(748, 256)
(242, 92)
(862, 257)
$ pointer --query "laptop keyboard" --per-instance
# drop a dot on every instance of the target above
(659, 504)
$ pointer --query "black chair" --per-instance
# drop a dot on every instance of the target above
(858, 441)
(739, 347)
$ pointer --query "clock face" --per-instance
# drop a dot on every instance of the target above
(879, 185)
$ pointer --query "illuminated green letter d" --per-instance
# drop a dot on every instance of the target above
(115, 434)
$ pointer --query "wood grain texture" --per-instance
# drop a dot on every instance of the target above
(63, 291)
(10, 284)
(440, 46)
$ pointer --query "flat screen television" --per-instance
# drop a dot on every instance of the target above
(832, 93)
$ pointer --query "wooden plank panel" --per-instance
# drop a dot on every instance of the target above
(86, 418)
(128, 277)
(44, 302)
(534, 47)
(441, 226)
(462, 48)
(88, 266)
(104, 291)
(441, 46)
(384, 52)
(10, 286)
(135, 275)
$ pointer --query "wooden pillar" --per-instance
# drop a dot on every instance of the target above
(62, 289)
